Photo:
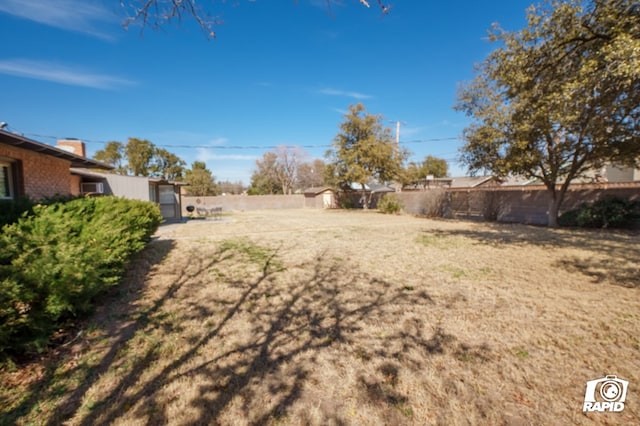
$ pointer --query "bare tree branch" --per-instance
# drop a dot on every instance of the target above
(156, 14)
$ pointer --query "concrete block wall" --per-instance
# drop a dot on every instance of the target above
(510, 204)
(245, 202)
(41, 175)
(505, 204)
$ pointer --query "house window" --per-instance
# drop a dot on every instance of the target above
(6, 181)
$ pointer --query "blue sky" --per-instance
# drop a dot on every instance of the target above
(280, 72)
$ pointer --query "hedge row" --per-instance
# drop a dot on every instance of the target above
(55, 261)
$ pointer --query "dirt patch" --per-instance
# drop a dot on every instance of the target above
(325, 317)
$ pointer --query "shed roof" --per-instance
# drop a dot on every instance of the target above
(19, 141)
(315, 190)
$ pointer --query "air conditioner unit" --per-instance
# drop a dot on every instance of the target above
(92, 188)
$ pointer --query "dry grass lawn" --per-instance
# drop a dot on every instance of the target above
(314, 317)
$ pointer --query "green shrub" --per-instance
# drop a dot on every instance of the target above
(389, 204)
(54, 263)
(12, 210)
(610, 212)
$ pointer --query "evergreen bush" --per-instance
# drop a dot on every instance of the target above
(610, 212)
(54, 262)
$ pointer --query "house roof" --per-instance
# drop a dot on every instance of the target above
(99, 175)
(355, 186)
(381, 188)
(516, 181)
(469, 181)
(19, 141)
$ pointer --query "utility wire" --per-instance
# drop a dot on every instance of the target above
(237, 147)
(449, 157)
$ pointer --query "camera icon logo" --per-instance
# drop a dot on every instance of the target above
(605, 394)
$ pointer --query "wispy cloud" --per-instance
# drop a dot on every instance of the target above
(344, 93)
(410, 131)
(72, 15)
(446, 124)
(49, 71)
(206, 154)
(218, 141)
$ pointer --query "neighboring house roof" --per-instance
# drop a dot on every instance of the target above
(518, 181)
(19, 141)
(469, 181)
(355, 186)
(382, 188)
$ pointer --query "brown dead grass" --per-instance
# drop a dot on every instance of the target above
(323, 317)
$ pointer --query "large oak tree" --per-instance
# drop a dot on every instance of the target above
(559, 97)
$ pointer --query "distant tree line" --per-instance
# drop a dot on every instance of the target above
(364, 152)
(140, 157)
(285, 171)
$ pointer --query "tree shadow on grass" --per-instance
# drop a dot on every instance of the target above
(615, 255)
(252, 332)
(287, 327)
(60, 365)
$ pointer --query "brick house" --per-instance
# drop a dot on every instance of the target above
(32, 169)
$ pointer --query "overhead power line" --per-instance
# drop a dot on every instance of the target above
(236, 147)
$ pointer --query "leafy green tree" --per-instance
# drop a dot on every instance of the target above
(559, 97)
(167, 165)
(364, 150)
(434, 166)
(201, 181)
(139, 153)
(113, 154)
(264, 179)
(141, 158)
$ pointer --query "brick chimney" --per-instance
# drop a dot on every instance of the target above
(75, 146)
